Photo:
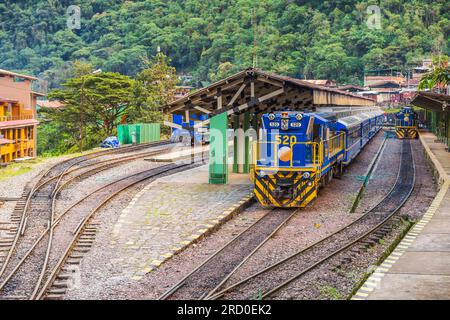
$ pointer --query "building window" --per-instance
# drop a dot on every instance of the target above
(19, 79)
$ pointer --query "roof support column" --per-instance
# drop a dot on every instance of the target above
(246, 127)
(235, 143)
(240, 136)
(218, 149)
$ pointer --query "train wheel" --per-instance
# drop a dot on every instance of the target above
(329, 176)
(338, 170)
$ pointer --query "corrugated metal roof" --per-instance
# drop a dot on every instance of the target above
(267, 75)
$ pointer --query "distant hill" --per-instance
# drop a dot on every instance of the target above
(210, 39)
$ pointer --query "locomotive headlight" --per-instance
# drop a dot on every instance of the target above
(299, 116)
(306, 175)
(271, 117)
(285, 154)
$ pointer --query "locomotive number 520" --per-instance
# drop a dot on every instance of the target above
(285, 139)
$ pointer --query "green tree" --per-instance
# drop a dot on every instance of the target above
(93, 103)
(439, 75)
(154, 87)
(199, 36)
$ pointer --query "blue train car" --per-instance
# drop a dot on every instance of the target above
(301, 152)
(406, 123)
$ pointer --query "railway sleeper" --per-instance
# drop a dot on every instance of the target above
(5, 245)
(60, 284)
(369, 244)
(57, 291)
(86, 240)
(346, 260)
(84, 245)
(72, 262)
(54, 297)
(64, 276)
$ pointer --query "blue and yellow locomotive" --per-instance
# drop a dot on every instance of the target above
(300, 152)
(406, 124)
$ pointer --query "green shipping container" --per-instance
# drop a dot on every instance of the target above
(144, 133)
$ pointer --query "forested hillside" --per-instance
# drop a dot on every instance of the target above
(209, 39)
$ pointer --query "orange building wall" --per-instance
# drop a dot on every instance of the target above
(20, 91)
(24, 136)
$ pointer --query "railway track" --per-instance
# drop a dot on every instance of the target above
(351, 240)
(215, 270)
(14, 228)
(35, 211)
(77, 231)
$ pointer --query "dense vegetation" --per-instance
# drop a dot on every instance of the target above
(210, 39)
(95, 102)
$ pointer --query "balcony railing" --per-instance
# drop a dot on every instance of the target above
(11, 118)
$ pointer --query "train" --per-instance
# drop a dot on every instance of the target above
(298, 153)
(406, 123)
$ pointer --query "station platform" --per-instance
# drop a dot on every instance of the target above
(172, 213)
(419, 266)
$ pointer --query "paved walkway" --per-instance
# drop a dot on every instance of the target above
(171, 213)
(419, 267)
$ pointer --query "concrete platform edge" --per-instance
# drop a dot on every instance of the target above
(444, 182)
(438, 171)
(373, 280)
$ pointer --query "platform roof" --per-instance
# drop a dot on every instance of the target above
(432, 101)
(259, 91)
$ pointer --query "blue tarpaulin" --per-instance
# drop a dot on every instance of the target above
(110, 142)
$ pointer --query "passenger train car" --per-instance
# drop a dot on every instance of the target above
(406, 124)
(300, 152)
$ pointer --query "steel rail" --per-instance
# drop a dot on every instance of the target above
(105, 165)
(181, 283)
(310, 247)
(210, 293)
(37, 186)
(352, 243)
(98, 154)
(56, 222)
(33, 190)
(148, 174)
